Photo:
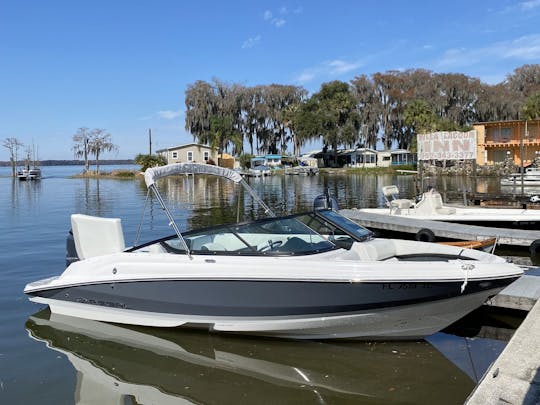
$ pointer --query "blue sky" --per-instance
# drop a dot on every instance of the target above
(125, 65)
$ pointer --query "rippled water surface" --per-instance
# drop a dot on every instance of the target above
(55, 360)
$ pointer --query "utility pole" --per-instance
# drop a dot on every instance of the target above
(150, 140)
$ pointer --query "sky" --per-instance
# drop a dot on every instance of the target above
(124, 65)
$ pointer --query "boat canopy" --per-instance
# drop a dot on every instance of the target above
(154, 173)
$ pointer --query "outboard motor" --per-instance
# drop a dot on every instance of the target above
(325, 201)
(71, 251)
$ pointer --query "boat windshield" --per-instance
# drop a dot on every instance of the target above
(335, 227)
(271, 236)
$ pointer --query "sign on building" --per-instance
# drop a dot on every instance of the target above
(447, 146)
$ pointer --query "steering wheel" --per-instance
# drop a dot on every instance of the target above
(271, 245)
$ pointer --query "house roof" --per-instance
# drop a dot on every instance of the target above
(186, 145)
(490, 123)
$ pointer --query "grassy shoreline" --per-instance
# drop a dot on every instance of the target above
(114, 174)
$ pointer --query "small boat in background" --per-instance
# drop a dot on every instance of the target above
(531, 177)
(431, 207)
(29, 173)
(487, 245)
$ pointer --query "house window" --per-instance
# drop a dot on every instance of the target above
(506, 134)
(206, 155)
(190, 156)
(501, 135)
(175, 155)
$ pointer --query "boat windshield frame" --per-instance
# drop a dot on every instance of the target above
(292, 235)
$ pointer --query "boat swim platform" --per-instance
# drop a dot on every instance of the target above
(514, 377)
(442, 230)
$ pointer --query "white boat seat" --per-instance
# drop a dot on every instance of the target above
(213, 247)
(95, 236)
(392, 200)
(401, 203)
(374, 250)
(432, 203)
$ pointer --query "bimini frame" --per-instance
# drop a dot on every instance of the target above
(154, 173)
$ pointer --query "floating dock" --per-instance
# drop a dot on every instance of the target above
(442, 230)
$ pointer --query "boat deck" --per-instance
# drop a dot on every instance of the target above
(447, 230)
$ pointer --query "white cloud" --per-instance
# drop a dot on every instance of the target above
(251, 42)
(279, 22)
(305, 77)
(529, 4)
(526, 48)
(336, 67)
(169, 114)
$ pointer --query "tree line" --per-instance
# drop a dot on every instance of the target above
(390, 108)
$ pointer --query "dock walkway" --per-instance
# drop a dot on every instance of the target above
(522, 294)
(514, 378)
(506, 236)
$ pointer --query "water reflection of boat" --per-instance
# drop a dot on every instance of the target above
(163, 366)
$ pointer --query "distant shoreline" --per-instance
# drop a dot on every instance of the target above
(73, 162)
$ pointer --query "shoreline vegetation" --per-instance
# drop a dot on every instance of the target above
(463, 169)
(114, 174)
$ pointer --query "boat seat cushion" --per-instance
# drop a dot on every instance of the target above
(401, 203)
(213, 247)
(445, 210)
(374, 250)
(96, 236)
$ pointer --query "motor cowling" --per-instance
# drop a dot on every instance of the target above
(71, 250)
(325, 201)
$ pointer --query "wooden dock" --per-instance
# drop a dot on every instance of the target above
(442, 230)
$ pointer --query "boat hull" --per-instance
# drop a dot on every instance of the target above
(487, 217)
(312, 310)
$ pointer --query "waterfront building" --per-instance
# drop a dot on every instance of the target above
(189, 153)
(500, 141)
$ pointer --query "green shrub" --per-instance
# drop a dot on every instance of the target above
(147, 161)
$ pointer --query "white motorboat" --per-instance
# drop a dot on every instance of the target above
(431, 207)
(28, 173)
(313, 275)
(531, 177)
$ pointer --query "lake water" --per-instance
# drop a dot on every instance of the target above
(55, 360)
